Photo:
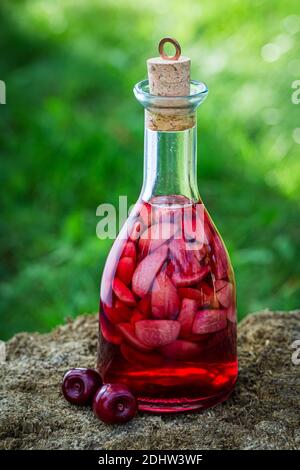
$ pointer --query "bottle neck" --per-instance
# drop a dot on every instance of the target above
(170, 163)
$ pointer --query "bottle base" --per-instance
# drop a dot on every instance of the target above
(182, 405)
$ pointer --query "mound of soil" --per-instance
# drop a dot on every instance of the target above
(262, 413)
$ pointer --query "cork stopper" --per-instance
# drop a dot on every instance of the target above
(169, 76)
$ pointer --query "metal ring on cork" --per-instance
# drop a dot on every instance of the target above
(174, 43)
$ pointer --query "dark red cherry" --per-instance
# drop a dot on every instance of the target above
(114, 403)
(80, 385)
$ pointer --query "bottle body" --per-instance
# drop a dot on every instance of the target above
(168, 316)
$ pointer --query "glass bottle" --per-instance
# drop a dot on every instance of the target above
(167, 302)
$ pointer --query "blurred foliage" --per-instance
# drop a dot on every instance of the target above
(72, 138)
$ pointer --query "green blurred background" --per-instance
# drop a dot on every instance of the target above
(72, 138)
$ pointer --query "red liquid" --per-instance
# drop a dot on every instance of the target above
(167, 317)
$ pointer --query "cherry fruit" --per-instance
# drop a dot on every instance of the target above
(114, 403)
(80, 385)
